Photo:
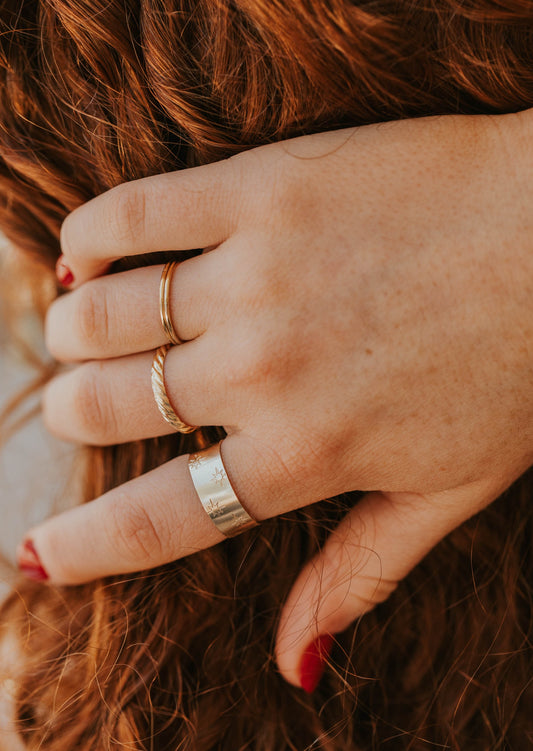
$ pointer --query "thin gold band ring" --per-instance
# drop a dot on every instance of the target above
(164, 302)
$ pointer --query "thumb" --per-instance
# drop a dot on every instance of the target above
(363, 560)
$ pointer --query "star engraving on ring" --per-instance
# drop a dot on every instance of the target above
(213, 508)
(219, 476)
(195, 461)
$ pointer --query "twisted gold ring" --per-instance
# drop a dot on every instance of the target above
(216, 494)
(160, 392)
(164, 302)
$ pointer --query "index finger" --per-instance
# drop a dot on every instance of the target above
(182, 210)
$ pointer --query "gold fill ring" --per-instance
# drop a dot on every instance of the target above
(160, 392)
(164, 302)
(216, 494)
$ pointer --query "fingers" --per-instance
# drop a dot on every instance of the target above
(373, 549)
(120, 314)
(146, 522)
(111, 401)
(182, 210)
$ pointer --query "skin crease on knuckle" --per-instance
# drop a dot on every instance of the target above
(92, 409)
(91, 319)
(253, 362)
(236, 179)
(141, 538)
(125, 215)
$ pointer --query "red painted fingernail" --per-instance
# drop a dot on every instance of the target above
(313, 662)
(63, 273)
(29, 562)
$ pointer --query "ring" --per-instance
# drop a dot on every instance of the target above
(160, 392)
(164, 302)
(216, 494)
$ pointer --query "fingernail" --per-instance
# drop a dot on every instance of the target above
(63, 273)
(313, 662)
(29, 562)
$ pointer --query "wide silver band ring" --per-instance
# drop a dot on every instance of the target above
(216, 494)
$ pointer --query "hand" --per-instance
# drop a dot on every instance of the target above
(362, 321)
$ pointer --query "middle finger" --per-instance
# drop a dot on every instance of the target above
(118, 315)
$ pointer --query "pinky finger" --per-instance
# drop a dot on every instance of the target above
(146, 522)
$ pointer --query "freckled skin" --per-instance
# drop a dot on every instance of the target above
(365, 304)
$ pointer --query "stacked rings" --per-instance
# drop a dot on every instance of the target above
(158, 364)
(206, 467)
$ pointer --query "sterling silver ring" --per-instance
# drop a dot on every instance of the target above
(216, 494)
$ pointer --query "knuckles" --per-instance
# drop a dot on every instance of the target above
(254, 363)
(77, 325)
(93, 411)
(81, 409)
(125, 215)
(136, 533)
(91, 319)
(120, 215)
(124, 530)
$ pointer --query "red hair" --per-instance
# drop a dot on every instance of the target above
(96, 93)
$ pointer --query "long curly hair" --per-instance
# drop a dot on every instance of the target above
(97, 92)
